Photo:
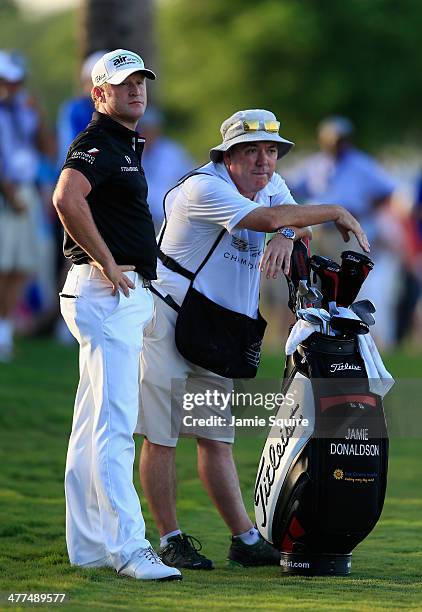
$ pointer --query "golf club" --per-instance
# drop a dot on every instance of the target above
(367, 305)
(302, 294)
(326, 317)
(347, 327)
(314, 295)
(311, 317)
(366, 316)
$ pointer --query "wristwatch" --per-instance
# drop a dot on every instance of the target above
(287, 232)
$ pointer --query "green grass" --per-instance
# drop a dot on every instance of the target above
(36, 396)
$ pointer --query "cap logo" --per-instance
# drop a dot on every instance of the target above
(123, 60)
(100, 77)
(120, 60)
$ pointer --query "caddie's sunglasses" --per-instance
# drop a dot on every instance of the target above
(255, 126)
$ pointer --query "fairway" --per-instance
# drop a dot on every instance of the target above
(36, 398)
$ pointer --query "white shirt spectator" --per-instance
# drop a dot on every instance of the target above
(164, 163)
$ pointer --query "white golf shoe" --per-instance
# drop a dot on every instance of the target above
(147, 565)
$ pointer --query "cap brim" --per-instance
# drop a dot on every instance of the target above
(284, 146)
(121, 75)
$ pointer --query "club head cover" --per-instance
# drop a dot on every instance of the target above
(355, 267)
(327, 270)
(299, 270)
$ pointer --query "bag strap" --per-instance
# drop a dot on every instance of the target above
(169, 262)
(174, 266)
(179, 182)
(210, 252)
(166, 298)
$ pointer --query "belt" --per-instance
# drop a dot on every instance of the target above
(87, 271)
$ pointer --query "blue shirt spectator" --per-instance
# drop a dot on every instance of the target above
(75, 113)
(19, 127)
(341, 174)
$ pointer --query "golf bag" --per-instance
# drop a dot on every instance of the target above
(322, 475)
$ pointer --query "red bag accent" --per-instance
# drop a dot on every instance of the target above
(328, 402)
(296, 530)
(287, 544)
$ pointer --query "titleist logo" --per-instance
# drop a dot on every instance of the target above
(338, 367)
(268, 468)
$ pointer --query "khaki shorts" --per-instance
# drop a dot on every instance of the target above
(178, 398)
(18, 238)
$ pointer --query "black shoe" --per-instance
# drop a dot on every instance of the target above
(252, 555)
(181, 552)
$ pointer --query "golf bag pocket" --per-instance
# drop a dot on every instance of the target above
(223, 341)
(327, 493)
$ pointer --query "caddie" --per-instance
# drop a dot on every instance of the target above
(216, 220)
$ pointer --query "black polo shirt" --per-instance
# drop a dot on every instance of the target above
(109, 156)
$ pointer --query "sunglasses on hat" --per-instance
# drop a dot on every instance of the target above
(257, 126)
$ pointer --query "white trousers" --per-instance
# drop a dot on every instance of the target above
(103, 512)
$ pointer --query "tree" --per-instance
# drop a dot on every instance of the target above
(8, 7)
(303, 60)
(111, 24)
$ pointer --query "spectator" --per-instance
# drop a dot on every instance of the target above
(411, 287)
(340, 173)
(384, 284)
(163, 160)
(76, 113)
(22, 136)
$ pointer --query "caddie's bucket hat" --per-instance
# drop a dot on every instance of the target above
(250, 126)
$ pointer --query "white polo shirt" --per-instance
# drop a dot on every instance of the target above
(196, 213)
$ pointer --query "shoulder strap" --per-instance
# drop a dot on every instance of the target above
(168, 261)
(179, 182)
(174, 266)
(210, 252)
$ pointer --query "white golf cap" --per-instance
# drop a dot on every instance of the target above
(116, 66)
(250, 126)
(9, 70)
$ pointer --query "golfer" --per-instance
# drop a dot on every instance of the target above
(109, 236)
(239, 191)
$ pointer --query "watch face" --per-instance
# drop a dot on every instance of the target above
(288, 232)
